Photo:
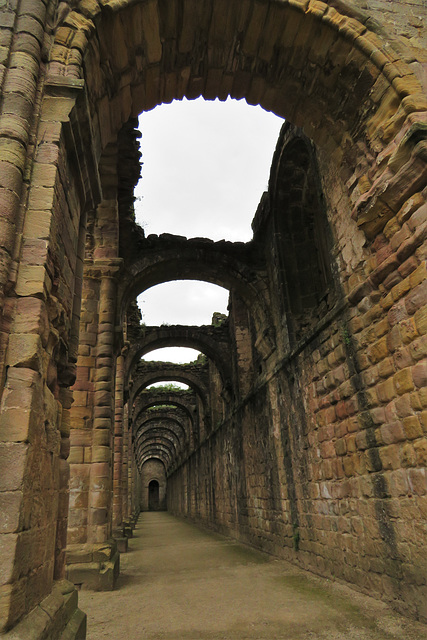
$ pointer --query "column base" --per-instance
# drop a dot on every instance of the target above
(93, 566)
(57, 616)
(121, 540)
(129, 524)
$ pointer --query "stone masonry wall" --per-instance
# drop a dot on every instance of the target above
(324, 461)
(324, 453)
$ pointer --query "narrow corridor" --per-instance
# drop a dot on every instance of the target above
(178, 582)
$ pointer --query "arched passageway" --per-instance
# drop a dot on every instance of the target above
(153, 496)
(316, 450)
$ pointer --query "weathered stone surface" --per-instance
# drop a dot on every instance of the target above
(304, 432)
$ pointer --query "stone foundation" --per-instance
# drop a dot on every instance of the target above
(57, 617)
(94, 566)
(121, 541)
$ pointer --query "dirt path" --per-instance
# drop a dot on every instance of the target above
(180, 583)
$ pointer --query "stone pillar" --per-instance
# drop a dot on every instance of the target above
(125, 462)
(99, 520)
(92, 556)
(132, 509)
(118, 457)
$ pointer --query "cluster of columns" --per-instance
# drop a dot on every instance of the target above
(104, 480)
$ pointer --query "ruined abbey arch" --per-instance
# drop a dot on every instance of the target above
(153, 399)
(211, 341)
(333, 419)
(171, 419)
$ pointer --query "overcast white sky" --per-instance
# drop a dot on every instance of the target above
(206, 165)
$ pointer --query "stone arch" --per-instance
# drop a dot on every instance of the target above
(148, 431)
(165, 439)
(212, 341)
(165, 422)
(193, 376)
(188, 412)
(146, 457)
(322, 67)
(233, 266)
(168, 373)
(159, 435)
(146, 401)
(142, 421)
(319, 67)
(157, 447)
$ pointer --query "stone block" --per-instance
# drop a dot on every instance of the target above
(389, 456)
(419, 374)
(386, 391)
(122, 543)
(391, 433)
(420, 448)
(25, 350)
(412, 427)
(101, 454)
(420, 318)
(76, 627)
(100, 574)
(33, 280)
(13, 459)
(408, 330)
(10, 511)
(403, 381)
(417, 299)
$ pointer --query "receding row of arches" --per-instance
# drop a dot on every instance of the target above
(303, 427)
(294, 207)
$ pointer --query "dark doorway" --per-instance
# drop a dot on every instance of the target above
(153, 496)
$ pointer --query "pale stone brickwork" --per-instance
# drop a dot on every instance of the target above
(307, 435)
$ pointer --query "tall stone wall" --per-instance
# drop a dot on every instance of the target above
(323, 462)
(325, 407)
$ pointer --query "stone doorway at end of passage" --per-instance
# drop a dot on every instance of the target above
(154, 496)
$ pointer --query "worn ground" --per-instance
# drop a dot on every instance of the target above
(180, 583)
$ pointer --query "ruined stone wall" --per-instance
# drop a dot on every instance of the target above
(403, 20)
(323, 462)
(341, 410)
(35, 403)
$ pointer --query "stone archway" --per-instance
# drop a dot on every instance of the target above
(212, 341)
(324, 66)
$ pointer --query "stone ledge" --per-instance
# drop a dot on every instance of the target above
(57, 616)
(93, 566)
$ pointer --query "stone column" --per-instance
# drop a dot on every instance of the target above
(92, 556)
(125, 461)
(127, 522)
(118, 457)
